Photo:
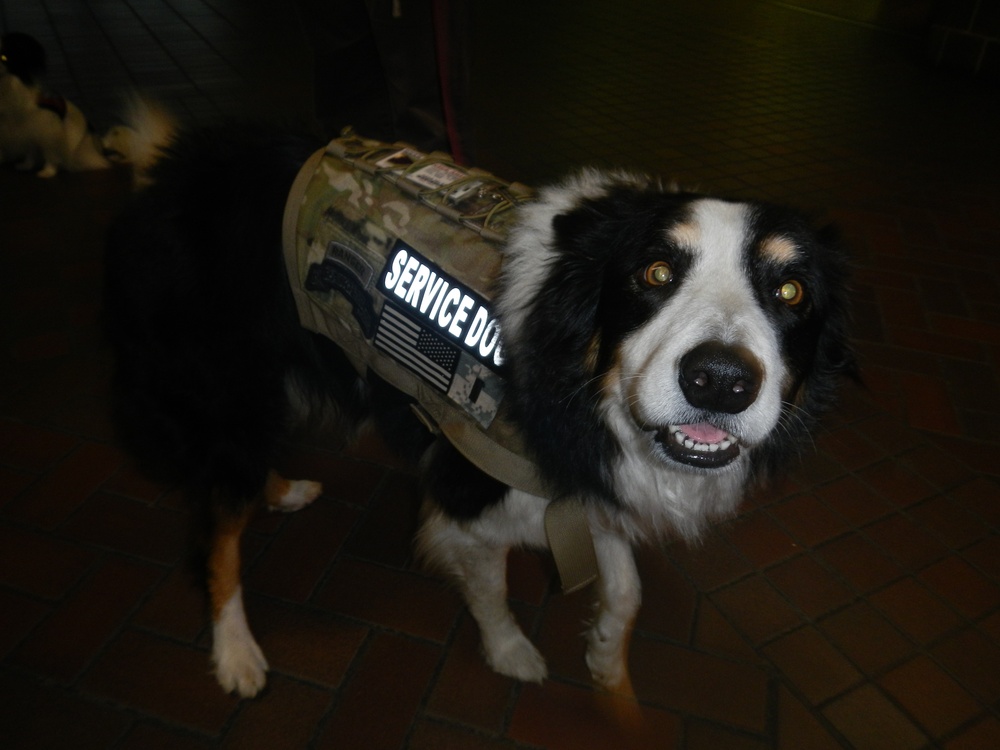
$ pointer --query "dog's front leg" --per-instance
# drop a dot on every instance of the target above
(479, 564)
(239, 663)
(507, 649)
(619, 593)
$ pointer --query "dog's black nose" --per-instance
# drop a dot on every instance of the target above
(721, 378)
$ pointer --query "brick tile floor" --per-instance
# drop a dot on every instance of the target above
(857, 605)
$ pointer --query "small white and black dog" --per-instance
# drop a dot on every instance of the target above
(40, 131)
(666, 352)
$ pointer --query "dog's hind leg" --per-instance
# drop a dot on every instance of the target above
(480, 568)
(619, 592)
(240, 665)
(288, 495)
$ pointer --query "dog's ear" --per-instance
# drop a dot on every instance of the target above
(833, 357)
(552, 356)
(834, 353)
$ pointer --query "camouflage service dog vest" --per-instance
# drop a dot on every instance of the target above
(392, 254)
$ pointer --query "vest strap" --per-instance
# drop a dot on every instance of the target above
(572, 545)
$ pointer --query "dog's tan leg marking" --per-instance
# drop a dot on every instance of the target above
(288, 495)
(239, 663)
(481, 572)
(619, 595)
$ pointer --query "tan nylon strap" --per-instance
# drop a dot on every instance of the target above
(510, 468)
(572, 545)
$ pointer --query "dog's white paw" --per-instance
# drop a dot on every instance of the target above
(606, 663)
(299, 494)
(240, 665)
(516, 657)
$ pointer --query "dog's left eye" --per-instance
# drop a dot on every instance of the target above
(658, 274)
(791, 292)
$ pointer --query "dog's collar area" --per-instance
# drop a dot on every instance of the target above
(701, 444)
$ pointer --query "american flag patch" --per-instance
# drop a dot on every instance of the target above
(419, 349)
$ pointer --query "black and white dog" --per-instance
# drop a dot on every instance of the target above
(38, 130)
(666, 352)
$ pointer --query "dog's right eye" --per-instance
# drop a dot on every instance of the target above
(791, 292)
(658, 274)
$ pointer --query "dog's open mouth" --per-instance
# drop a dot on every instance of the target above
(702, 445)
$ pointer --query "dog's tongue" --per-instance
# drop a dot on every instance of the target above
(703, 432)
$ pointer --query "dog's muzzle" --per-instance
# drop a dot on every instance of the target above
(715, 378)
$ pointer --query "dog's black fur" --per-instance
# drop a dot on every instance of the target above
(202, 319)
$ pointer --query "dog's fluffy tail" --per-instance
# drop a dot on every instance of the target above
(148, 130)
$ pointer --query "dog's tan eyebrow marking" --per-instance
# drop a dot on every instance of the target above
(778, 248)
(686, 234)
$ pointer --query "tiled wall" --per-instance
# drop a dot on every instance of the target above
(964, 35)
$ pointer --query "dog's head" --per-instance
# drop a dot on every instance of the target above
(684, 333)
(22, 56)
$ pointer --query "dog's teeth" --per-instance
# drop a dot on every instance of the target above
(690, 443)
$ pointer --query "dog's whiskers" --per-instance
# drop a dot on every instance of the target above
(791, 414)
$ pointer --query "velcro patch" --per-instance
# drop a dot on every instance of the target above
(441, 330)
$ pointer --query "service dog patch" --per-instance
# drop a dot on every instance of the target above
(392, 255)
(442, 331)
